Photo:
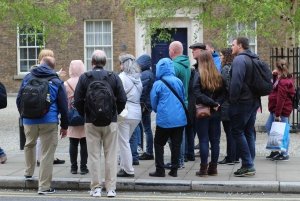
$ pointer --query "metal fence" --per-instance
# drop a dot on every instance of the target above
(292, 56)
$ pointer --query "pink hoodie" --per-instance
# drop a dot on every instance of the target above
(75, 70)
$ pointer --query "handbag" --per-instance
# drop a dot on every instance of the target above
(278, 137)
(75, 119)
(144, 109)
(189, 122)
(202, 111)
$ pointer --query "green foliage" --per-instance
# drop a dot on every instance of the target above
(219, 16)
(50, 17)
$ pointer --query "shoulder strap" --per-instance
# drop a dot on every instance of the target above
(70, 86)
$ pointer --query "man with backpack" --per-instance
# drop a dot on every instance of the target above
(42, 96)
(100, 97)
(243, 104)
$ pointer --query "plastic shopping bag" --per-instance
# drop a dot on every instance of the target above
(278, 137)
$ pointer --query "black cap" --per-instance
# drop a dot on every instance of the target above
(198, 45)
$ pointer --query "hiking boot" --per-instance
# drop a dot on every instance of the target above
(281, 157)
(226, 161)
(146, 156)
(203, 171)
(244, 172)
(212, 169)
(272, 154)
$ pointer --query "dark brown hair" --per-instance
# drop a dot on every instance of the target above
(228, 56)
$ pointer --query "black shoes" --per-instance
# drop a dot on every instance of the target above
(156, 174)
(37, 163)
(57, 161)
(226, 161)
(272, 154)
(73, 171)
(135, 162)
(122, 173)
(84, 171)
(146, 156)
(173, 173)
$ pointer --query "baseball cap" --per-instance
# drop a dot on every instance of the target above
(198, 45)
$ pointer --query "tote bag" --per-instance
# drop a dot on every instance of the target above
(278, 137)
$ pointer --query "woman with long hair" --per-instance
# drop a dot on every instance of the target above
(231, 157)
(280, 103)
(209, 90)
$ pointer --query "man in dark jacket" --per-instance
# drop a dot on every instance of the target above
(147, 78)
(45, 127)
(106, 135)
(243, 105)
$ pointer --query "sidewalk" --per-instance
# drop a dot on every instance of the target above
(270, 177)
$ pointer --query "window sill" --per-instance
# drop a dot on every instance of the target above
(19, 77)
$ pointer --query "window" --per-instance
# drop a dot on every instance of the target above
(29, 46)
(98, 35)
(242, 29)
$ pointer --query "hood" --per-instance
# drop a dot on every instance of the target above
(249, 53)
(135, 78)
(164, 67)
(43, 71)
(182, 60)
(76, 68)
(215, 54)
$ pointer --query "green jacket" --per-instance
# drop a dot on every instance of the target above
(183, 72)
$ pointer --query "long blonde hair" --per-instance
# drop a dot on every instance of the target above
(211, 79)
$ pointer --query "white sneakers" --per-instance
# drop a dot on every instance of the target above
(97, 193)
(111, 193)
(139, 150)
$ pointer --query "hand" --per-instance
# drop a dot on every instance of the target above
(275, 72)
(216, 108)
(62, 73)
(63, 133)
(277, 119)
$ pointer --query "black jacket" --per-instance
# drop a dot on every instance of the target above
(226, 77)
(115, 83)
(147, 78)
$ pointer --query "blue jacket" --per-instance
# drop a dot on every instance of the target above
(170, 112)
(242, 71)
(57, 93)
(147, 78)
(217, 60)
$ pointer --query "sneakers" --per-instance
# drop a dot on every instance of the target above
(122, 173)
(272, 154)
(111, 193)
(28, 178)
(96, 192)
(146, 156)
(281, 157)
(50, 191)
(181, 167)
(167, 166)
(3, 159)
(244, 172)
(226, 161)
(139, 150)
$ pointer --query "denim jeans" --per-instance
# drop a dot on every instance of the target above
(2, 153)
(139, 136)
(231, 151)
(146, 121)
(242, 120)
(190, 141)
(209, 130)
(182, 149)
(133, 141)
(269, 122)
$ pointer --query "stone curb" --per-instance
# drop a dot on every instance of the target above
(162, 185)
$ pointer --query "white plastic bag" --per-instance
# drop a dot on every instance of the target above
(278, 137)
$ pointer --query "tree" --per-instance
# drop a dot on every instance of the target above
(273, 17)
(49, 17)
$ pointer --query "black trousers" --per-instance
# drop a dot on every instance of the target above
(73, 150)
(160, 140)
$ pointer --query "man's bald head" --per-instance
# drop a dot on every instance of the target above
(98, 58)
(175, 49)
(49, 61)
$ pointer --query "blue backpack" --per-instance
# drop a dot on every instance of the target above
(74, 117)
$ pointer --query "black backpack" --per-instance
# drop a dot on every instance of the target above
(34, 101)
(100, 104)
(3, 96)
(261, 82)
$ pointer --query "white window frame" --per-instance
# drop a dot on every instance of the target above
(237, 33)
(32, 61)
(87, 58)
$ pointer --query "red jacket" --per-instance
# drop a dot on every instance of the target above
(280, 100)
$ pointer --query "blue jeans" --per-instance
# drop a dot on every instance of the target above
(190, 132)
(139, 137)
(133, 141)
(2, 153)
(209, 130)
(146, 121)
(269, 125)
(242, 120)
(231, 151)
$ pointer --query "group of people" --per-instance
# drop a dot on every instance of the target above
(217, 81)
